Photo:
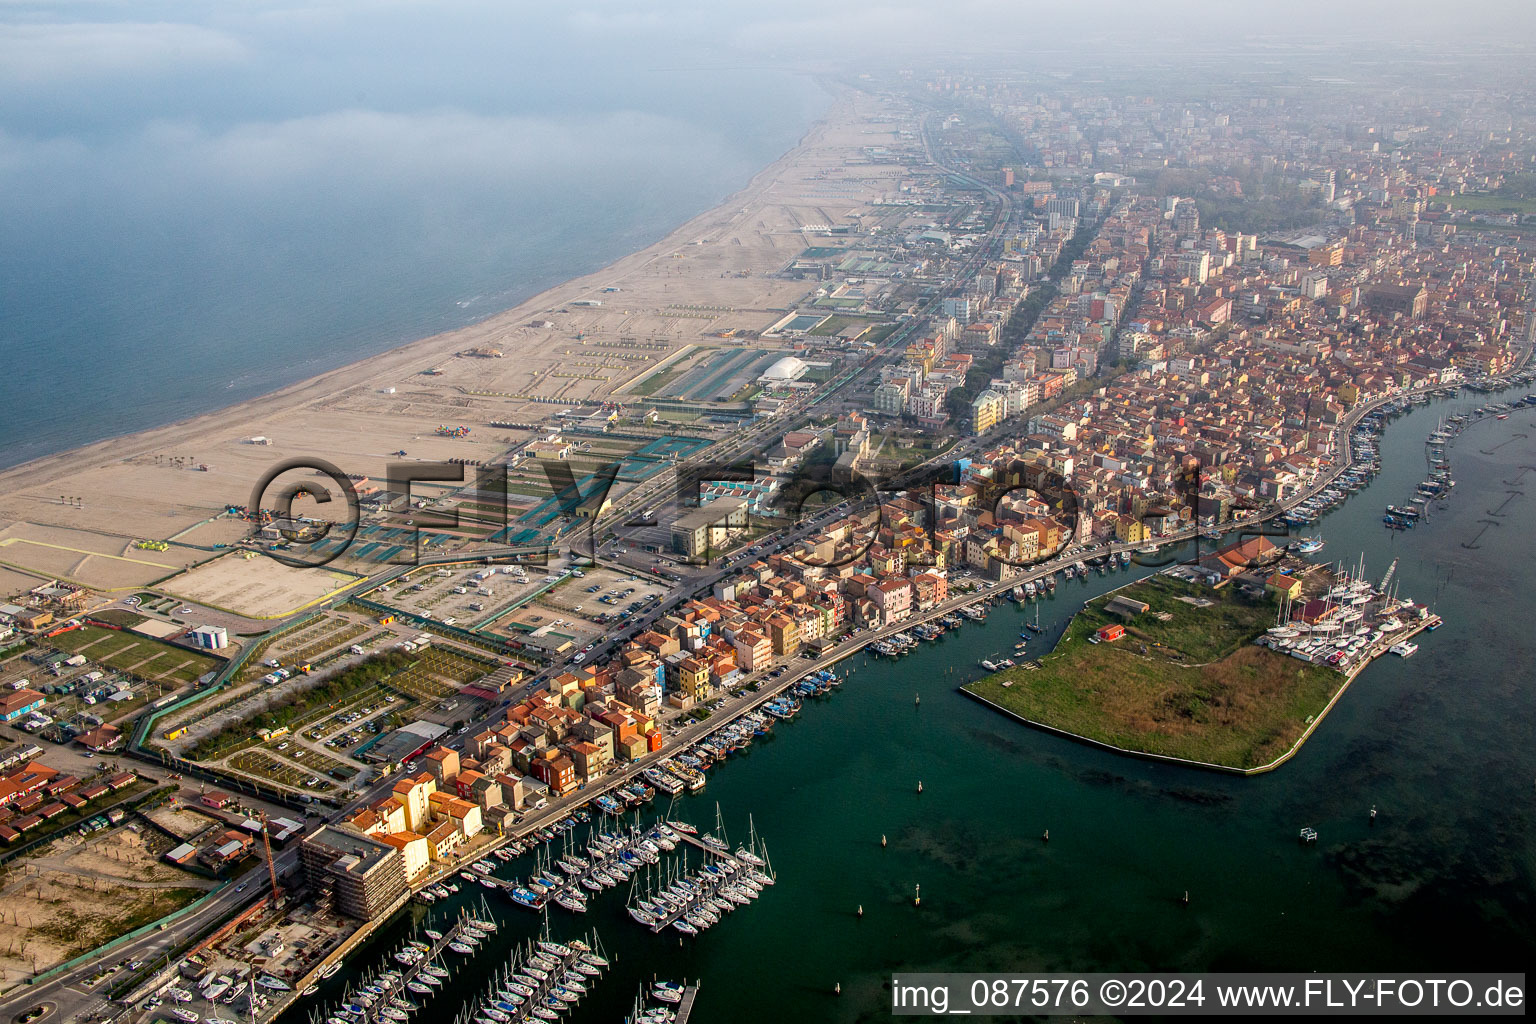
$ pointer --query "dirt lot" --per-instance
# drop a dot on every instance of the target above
(77, 894)
(106, 562)
(184, 821)
(259, 588)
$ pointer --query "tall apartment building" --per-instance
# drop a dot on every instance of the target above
(959, 308)
(366, 875)
(1063, 207)
(1186, 217)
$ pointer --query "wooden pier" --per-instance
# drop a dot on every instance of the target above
(712, 851)
(685, 1006)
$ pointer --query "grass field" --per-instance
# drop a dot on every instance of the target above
(120, 617)
(1482, 203)
(662, 378)
(131, 652)
(836, 323)
(1184, 682)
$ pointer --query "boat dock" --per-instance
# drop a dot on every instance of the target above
(722, 854)
(710, 890)
(581, 884)
(685, 1005)
(410, 972)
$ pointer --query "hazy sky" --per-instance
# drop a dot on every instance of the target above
(262, 89)
(272, 187)
(99, 64)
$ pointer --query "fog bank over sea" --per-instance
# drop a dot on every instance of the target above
(197, 207)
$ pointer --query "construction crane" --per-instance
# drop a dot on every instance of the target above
(266, 842)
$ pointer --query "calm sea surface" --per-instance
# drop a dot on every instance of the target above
(154, 272)
(1441, 743)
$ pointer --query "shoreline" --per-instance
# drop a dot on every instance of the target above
(1311, 727)
(1185, 762)
(331, 383)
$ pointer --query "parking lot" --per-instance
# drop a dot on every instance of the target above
(461, 596)
(582, 608)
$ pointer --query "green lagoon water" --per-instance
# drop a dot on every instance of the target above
(1441, 743)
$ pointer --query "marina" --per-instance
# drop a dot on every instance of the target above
(834, 861)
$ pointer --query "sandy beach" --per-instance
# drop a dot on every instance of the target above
(577, 343)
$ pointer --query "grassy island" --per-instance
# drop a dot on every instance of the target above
(1184, 681)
